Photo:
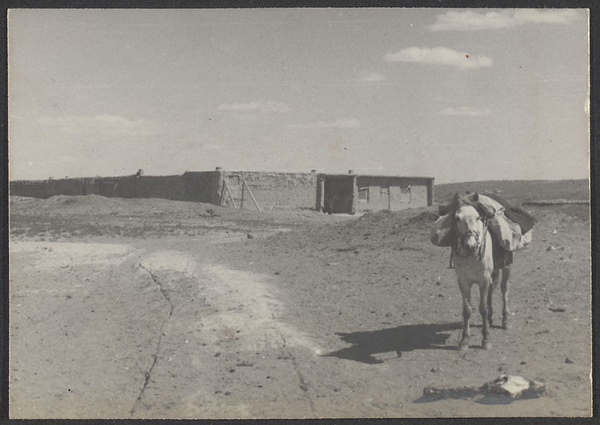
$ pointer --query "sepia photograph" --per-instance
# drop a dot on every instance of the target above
(290, 213)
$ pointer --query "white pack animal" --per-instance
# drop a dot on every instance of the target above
(466, 228)
(474, 264)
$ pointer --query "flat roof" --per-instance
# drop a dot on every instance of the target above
(377, 176)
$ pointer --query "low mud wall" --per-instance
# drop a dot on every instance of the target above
(243, 189)
(168, 187)
(272, 190)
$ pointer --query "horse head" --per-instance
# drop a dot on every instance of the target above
(470, 228)
(449, 233)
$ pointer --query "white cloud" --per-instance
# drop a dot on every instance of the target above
(104, 123)
(546, 16)
(373, 77)
(471, 21)
(439, 56)
(258, 106)
(340, 123)
(475, 21)
(466, 110)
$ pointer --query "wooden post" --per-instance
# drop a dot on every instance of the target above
(216, 183)
(354, 202)
(320, 194)
(252, 196)
(222, 194)
(230, 194)
(243, 188)
(430, 192)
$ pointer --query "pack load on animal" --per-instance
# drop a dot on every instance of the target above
(483, 232)
(510, 227)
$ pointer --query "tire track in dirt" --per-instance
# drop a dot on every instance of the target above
(258, 318)
(301, 380)
(213, 310)
(148, 373)
(247, 300)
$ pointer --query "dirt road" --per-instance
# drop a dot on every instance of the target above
(142, 309)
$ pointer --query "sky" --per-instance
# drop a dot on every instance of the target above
(454, 94)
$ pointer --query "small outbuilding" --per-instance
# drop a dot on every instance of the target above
(351, 193)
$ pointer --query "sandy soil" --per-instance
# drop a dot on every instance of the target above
(158, 309)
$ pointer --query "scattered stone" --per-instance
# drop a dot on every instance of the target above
(557, 310)
(569, 361)
(250, 235)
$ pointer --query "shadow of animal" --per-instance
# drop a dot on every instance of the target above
(400, 339)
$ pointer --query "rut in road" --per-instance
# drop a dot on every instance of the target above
(251, 303)
(232, 300)
(148, 373)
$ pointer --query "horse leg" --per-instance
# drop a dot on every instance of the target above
(484, 290)
(504, 288)
(495, 274)
(465, 290)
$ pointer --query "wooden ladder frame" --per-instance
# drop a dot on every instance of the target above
(225, 190)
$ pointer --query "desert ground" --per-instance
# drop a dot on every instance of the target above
(149, 308)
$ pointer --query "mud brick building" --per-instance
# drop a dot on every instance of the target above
(331, 193)
(351, 193)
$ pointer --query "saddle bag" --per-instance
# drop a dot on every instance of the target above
(519, 216)
(505, 230)
(507, 233)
